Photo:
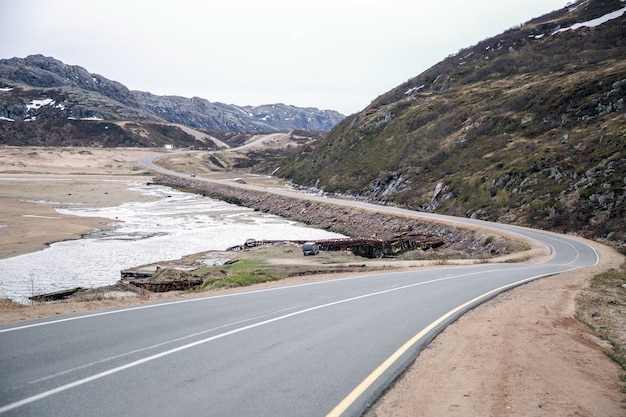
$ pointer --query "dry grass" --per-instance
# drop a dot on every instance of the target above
(602, 307)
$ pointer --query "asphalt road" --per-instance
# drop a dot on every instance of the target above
(318, 349)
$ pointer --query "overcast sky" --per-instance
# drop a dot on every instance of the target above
(329, 54)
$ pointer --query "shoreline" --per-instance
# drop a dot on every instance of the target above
(30, 221)
(30, 175)
(33, 221)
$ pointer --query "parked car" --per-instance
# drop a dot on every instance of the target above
(310, 248)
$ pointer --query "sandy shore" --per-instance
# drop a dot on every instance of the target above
(521, 354)
(29, 219)
(34, 181)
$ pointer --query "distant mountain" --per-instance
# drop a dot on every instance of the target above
(42, 87)
(527, 127)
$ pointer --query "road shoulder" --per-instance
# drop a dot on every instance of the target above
(522, 353)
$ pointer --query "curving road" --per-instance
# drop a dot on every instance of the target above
(318, 349)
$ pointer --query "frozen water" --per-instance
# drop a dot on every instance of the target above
(175, 225)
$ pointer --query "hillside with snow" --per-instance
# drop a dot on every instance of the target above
(49, 95)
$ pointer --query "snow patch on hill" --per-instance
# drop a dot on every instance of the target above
(594, 22)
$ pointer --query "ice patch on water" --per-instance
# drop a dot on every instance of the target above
(175, 225)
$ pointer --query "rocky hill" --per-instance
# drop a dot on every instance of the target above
(527, 127)
(54, 97)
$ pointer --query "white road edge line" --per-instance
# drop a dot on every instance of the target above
(155, 346)
(168, 303)
(164, 304)
(138, 362)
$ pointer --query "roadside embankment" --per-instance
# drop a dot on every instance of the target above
(351, 221)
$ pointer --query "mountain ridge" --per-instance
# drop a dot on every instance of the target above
(85, 95)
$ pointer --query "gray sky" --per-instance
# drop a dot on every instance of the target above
(329, 54)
